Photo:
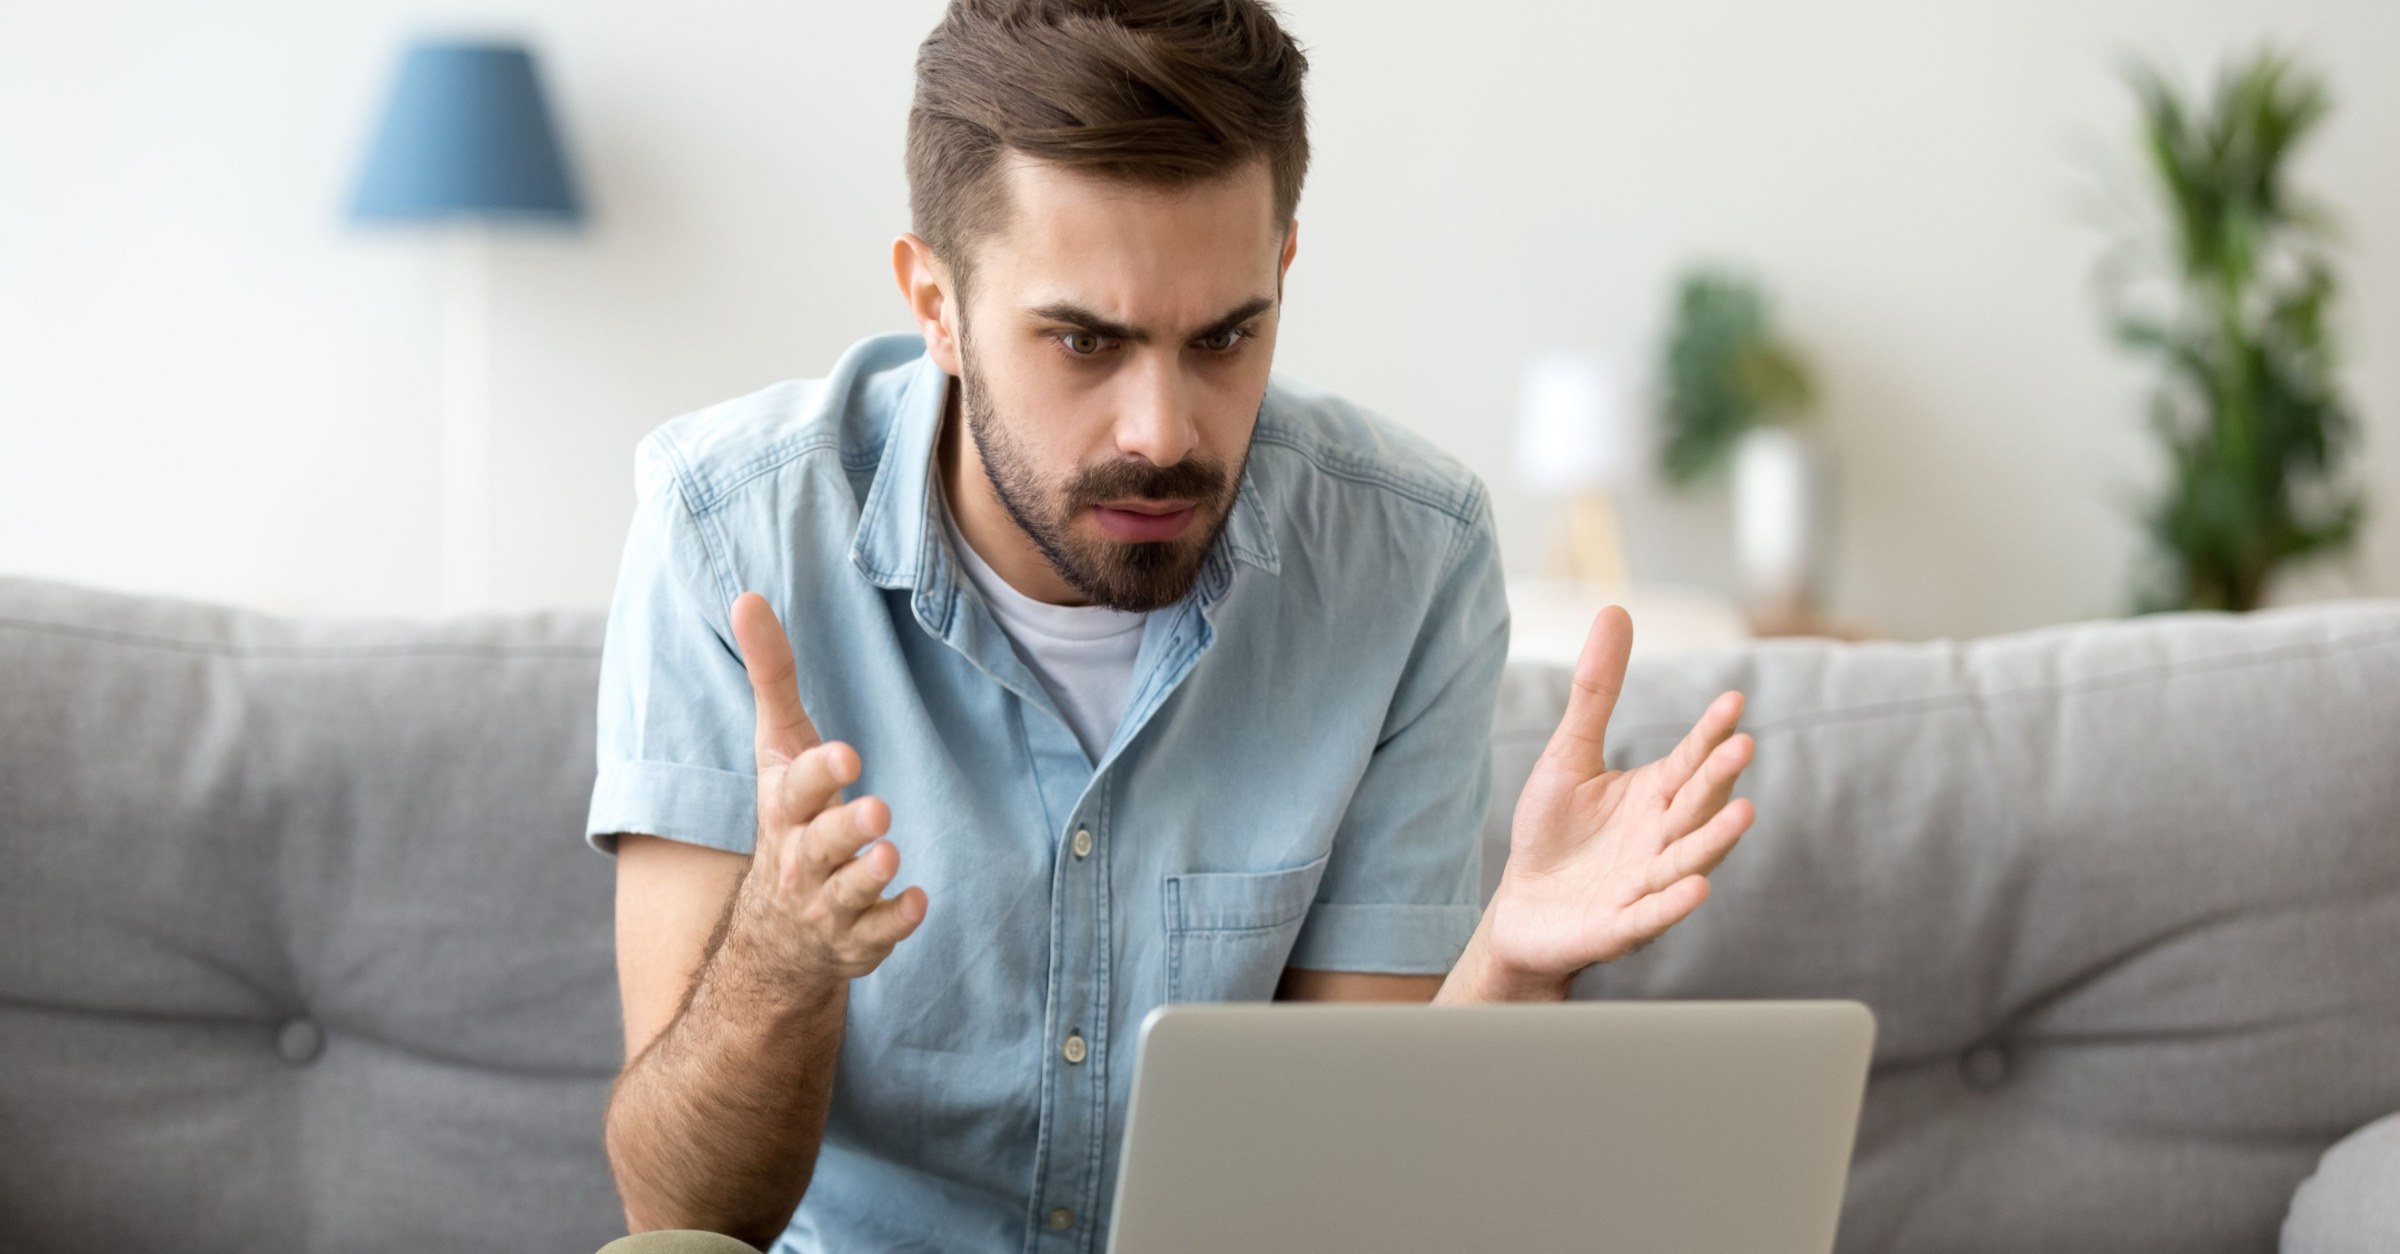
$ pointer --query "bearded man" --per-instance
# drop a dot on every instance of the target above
(1149, 678)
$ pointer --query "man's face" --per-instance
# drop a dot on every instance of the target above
(1114, 346)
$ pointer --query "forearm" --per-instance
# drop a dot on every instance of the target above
(717, 1124)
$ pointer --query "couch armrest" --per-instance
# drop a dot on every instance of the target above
(2352, 1204)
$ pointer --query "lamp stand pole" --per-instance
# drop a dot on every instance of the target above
(466, 433)
(1592, 543)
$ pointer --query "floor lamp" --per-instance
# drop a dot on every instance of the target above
(1577, 438)
(466, 144)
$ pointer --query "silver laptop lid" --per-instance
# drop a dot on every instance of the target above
(1658, 1127)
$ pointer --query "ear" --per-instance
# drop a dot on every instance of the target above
(926, 285)
(1283, 264)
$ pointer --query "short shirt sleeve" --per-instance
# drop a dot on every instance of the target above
(1401, 890)
(676, 719)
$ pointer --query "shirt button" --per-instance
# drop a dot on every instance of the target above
(1083, 842)
(1062, 1219)
(1074, 1048)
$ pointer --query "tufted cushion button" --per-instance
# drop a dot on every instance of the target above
(1984, 1066)
(300, 1040)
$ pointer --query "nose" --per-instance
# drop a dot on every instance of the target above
(1155, 419)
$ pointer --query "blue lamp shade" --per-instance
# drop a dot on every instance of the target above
(466, 134)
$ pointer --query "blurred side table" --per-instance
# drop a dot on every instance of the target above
(1549, 618)
(1810, 623)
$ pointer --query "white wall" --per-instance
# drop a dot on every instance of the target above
(209, 385)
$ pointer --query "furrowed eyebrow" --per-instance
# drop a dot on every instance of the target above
(1240, 314)
(1077, 316)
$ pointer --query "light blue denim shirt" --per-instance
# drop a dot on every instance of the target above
(1298, 779)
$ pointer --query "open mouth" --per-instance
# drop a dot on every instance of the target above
(1144, 522)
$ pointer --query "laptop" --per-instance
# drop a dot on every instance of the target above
(1649, 1127)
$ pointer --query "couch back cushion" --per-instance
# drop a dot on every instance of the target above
(2125, 899)
(300, 949)
(299, 946)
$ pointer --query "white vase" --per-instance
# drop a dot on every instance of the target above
(1782, 521)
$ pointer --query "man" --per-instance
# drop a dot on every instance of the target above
(1171, 681)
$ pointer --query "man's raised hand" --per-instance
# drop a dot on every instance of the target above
(1602, 862)
(808, 877)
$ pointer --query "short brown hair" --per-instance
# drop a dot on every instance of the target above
(1162, 92)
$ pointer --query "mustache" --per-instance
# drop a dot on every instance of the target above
(1192, 479)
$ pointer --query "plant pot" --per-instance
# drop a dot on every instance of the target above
(1782, 522)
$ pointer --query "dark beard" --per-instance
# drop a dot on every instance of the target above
(1136, 578)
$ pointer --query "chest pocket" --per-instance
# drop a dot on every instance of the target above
(1229, 933)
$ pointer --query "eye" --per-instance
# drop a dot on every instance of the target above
(1223, 341)
(1084, 343)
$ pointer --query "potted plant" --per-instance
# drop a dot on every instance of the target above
(1734, 396)
(2230, 300)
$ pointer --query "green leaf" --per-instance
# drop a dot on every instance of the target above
(1723, 373)
(2248, 408)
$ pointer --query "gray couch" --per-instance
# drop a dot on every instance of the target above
(300, 948)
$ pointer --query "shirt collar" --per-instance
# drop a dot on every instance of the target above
(900, 541)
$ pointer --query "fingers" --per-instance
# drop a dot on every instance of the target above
(1599, 676)
(824, 880)
(860, 884)
(888, 923)
(864, 923)
(1648, 919)
(1702, 852)
(800, 792)
(1679, 875)
(1705, 793)
(1716, 723)
(784, 731)
(810, 853)
(874, 923)
(834, 838)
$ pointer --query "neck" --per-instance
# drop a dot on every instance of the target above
(984, 522)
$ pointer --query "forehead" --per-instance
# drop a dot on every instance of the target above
(1151, 254)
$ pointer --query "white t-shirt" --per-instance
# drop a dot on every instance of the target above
(1083, 654)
